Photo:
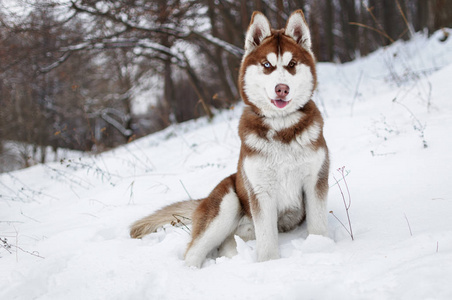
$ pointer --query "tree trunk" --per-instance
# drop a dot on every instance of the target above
(348, 52)
(168, 90)
(363, 32)
(315, 31)
(199, 89)
(245, 16)
(279, 19)
(219, 54)
(329, 30)
(443, 14)
(351, 14)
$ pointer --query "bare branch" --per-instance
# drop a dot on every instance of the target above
(373, 29)
(232, 49)
(106, 116)
(165, 29)
(56, 63)
(168, 30)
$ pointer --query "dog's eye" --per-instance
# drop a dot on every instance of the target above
(266, 64)
(292, 64)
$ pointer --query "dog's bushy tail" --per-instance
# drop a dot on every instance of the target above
(179, 210)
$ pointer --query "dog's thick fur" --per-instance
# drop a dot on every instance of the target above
(282, 174)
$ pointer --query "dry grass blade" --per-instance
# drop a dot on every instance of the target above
(179, 221)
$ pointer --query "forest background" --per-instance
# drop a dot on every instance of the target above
(91, 75)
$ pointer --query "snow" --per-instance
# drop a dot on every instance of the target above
(388, 121)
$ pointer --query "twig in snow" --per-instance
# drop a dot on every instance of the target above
(356, 92)
(131, 192)
(331, 212)
(417, 125)
(179, 221)
(347, 172)
(185, 190)
(11, 222)
(33, 219)
(9, 247)
(346, 205)
(34, 253)
(24, 193)
(409, 227)
(5, 245)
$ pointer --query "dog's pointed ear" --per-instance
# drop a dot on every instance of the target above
(297, 28)
(258, 30)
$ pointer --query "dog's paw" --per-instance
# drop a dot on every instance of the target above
(193, 260)
(195, 263)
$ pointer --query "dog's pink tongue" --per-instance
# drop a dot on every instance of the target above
(280, 103)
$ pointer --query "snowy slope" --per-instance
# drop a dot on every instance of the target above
(388, 120)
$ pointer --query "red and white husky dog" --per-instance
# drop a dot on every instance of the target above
(282, 174)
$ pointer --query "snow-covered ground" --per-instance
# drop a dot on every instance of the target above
(388, 120)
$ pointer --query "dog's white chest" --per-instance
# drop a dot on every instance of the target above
(280, 169)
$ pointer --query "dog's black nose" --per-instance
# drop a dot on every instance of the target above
(282, 90)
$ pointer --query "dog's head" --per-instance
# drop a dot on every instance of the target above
(277, 74)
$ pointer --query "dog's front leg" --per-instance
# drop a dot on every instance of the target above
(263, 207)
(316, 213)
(265, 219)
